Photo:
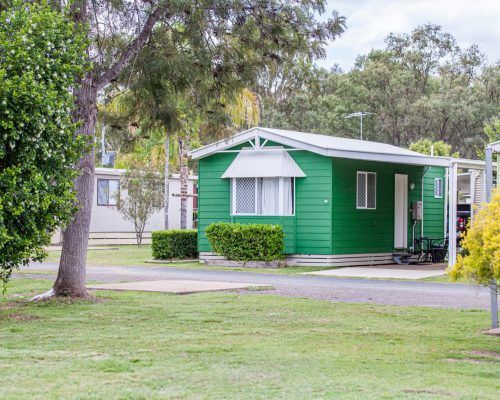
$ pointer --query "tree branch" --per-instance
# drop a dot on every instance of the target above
(132, 49)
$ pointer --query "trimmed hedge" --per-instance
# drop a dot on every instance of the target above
(175, 243)
(247, 242)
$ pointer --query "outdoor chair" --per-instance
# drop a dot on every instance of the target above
(430, 249)
(439, 249)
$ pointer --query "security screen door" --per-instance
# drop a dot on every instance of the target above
(400, 211)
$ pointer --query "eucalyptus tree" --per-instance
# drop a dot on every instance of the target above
(232, 40)
(420, 85)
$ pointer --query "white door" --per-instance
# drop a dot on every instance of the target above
(400, 211)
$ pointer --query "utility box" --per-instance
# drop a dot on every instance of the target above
(416, 211)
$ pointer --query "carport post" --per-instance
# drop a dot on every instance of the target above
(489, 186)
(452, 214)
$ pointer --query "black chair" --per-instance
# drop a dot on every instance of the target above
(439, 249)
(431, 249)
(422, 249)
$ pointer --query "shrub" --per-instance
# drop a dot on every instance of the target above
(480, 257)
(42, 54)
(175, 244)
(247, 242)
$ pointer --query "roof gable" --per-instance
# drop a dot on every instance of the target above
(326, 145)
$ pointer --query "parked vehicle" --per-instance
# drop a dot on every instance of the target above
(463, 218)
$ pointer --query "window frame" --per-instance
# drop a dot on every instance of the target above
(108, 197)
(441, 188)
(256, 213)
(366, 173)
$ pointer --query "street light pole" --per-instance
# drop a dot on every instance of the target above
(359, 114)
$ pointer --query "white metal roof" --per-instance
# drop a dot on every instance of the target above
(495, 146)
(327, 145)
(465, 163)
(264, 163)
(102, 171)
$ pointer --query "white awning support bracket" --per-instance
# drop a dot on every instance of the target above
(271, 163)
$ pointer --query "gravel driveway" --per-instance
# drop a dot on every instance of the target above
(313, 287)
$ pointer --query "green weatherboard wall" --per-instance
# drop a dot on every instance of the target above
(326, 220)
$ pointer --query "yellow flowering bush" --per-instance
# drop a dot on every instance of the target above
(480, 260)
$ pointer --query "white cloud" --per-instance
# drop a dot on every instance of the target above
(370, 21)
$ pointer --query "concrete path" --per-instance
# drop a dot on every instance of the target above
(387, 273)
(314, 287)
(176, 286)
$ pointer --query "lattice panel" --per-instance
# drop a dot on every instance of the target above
(438, 188)
(361, 191)
(245, 196)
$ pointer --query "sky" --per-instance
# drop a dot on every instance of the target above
(370, 21)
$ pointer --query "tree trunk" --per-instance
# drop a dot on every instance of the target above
(71, 276)
(184, 172)
(166, 190)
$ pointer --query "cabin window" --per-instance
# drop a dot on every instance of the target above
(107, 192)
(263, 196)
(366, 190)
(438, 188)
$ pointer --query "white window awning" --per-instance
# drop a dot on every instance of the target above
(265, 163)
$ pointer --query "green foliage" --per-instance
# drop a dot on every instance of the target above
(182, 82)
(143, 195)
(421, 85)
(427, 146)
(492, 130)
(480, 260)
(175, 243)
(247, 242)
(41, 54)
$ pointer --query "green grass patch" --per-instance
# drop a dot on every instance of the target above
(132, 345)
(131, 255)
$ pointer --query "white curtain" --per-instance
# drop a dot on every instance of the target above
(113, 191)
(270, 196)
(287, 196)
(102, 192)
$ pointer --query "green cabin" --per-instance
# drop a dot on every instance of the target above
(341, 202)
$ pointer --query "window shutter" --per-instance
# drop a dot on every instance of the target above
(438, 188)
(361, 190)
(245, 196)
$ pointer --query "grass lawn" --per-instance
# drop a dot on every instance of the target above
(136, 256)
(234, 346)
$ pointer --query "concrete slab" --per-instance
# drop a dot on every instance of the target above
(369, 272)
(175, 286)
(493, 332)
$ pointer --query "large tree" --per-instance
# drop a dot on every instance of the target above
(231, 38)
(41, 53)
(421, 85)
